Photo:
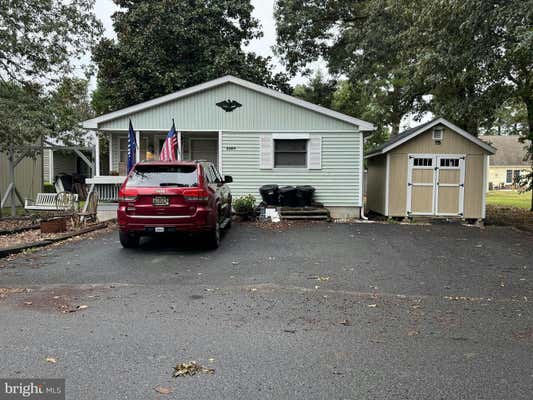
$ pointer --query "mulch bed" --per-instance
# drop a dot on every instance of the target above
(510, 216)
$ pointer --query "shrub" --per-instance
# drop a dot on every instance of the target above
(244, 204)
(49, 188)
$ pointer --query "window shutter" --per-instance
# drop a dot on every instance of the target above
(315, 153)
(266, 150)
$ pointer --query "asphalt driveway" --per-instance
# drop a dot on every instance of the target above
(310, 312)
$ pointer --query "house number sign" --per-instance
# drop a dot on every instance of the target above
(231, 148)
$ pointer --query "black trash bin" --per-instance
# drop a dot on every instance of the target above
(287, 196)
(304, 195)
(270, 194)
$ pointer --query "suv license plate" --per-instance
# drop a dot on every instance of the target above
(160, 201)
(159, 229)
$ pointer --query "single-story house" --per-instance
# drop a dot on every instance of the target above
(257, 135)
(434, 169)
(508, 163)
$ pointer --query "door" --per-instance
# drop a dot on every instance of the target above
(435, 185)
(449, 196)
(204, 149)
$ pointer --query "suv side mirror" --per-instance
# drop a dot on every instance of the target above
(228, 179)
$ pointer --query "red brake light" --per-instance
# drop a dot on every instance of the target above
(199, 195)
(124, 196)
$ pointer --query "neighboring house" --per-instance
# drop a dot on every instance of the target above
(508, 163)
(257, 135)
(63, 162)
(434, 169)
(28, 177)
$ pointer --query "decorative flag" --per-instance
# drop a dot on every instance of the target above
(168, 152)
(132, 147)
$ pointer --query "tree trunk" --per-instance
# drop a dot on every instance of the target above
(395, 125)
(529, 106)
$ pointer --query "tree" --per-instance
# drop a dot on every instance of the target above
(38, 39)
(167, 45)
(353, 99)
(369, 41)
(319, 90)
(478, 56)
(28, 113)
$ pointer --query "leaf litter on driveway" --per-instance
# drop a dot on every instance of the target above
(191, 368)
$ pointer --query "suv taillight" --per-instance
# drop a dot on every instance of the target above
(198, 195)
(128, 199)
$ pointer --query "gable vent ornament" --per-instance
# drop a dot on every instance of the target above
(229, 105)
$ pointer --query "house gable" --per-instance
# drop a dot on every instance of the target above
(195, 109)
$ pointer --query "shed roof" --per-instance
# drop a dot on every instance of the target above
(94, 122)
(510, 150)
(417, 130)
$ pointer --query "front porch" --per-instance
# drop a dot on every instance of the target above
(202, 145)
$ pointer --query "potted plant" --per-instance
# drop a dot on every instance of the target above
(245, 207)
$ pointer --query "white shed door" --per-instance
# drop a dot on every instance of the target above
(204, 149)
(435, 184)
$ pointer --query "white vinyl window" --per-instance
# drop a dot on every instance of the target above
(290, 153)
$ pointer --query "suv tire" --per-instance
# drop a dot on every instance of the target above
(213, 237)
(128, 241)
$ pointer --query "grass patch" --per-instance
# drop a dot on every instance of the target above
(509, 198)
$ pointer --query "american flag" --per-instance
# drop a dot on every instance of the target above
(168, 152)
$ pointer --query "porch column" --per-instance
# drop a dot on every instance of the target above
(180, 146)
(96, 171)
(138, 147)
(220, 152)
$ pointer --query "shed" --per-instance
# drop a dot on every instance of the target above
(434, 169)
(255, 134)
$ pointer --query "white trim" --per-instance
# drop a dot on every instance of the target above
(387, 172)
(106, 179)
(244, 130)
(435, 185)
(425, 128)
(51, 165)
(137, 146)
(96, 154)
(220, 153)
(361, 172)
(290, 136)
(485, 177)
(110, 150)
(180, 145)
(93, 123)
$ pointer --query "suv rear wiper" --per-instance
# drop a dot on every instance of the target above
(173, 184)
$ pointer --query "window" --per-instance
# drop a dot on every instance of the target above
(516, 175)
(437, 134)
(449, 162)
(509, 177)
(423, 162)
(153, 175)
(290, 153)
(123, 149)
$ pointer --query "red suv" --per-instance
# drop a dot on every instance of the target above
(176, 196)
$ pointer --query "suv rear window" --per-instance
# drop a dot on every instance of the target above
(163, 175)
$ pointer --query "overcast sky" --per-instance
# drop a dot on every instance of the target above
(263, 11)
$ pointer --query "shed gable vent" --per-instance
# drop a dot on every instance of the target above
(437, 134)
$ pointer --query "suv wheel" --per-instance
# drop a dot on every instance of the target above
(213, 239)
(128, 241)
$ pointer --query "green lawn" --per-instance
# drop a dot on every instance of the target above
(509, 198)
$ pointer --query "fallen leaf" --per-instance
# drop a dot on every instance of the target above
(163, 390)
(28, 303)
(289, 330)
(412, 333)
(235, 262)
(372, 305)
(51, 360)
(191, 368)
(253, 290)
(345, 322)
